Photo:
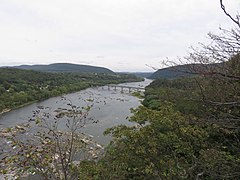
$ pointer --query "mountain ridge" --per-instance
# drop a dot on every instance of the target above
(65, 67)
(185, 70)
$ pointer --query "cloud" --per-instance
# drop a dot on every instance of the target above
(125, 31)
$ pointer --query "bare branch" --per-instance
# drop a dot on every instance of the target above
(236, 21)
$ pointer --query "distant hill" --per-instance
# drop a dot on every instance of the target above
(182, 70)
(139, 74)
(65, 67)
(143, 74)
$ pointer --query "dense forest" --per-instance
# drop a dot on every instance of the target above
(19, 87)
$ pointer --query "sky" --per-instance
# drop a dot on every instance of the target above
(122, 35)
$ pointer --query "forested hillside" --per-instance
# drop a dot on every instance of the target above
(172, 72)
(18, 87)
(186, 70)
(66, 67)
(142, 74)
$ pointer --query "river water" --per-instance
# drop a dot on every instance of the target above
(110, 108)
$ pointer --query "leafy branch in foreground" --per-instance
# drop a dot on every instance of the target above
(52, 146)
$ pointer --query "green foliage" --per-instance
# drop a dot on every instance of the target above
(138, 94)
(162, 146)
(183, 93)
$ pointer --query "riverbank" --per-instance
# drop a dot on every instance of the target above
(5, 111)
(35, 101)
(20, 106)
(25, 88)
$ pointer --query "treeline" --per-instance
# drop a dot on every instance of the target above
(19, 87)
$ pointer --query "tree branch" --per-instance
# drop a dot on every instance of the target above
(236, 21)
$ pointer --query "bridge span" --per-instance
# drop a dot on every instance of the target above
(129, 88)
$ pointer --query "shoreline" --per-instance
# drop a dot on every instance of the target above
(20, 106)
(5, 111)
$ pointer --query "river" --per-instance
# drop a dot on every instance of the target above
(110, 108)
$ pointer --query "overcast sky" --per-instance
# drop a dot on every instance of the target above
(123, 35)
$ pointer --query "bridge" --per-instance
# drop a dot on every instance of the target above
(129, 88)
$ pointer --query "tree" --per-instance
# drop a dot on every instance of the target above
(235, 20)
(54, 145)
(161, 146)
